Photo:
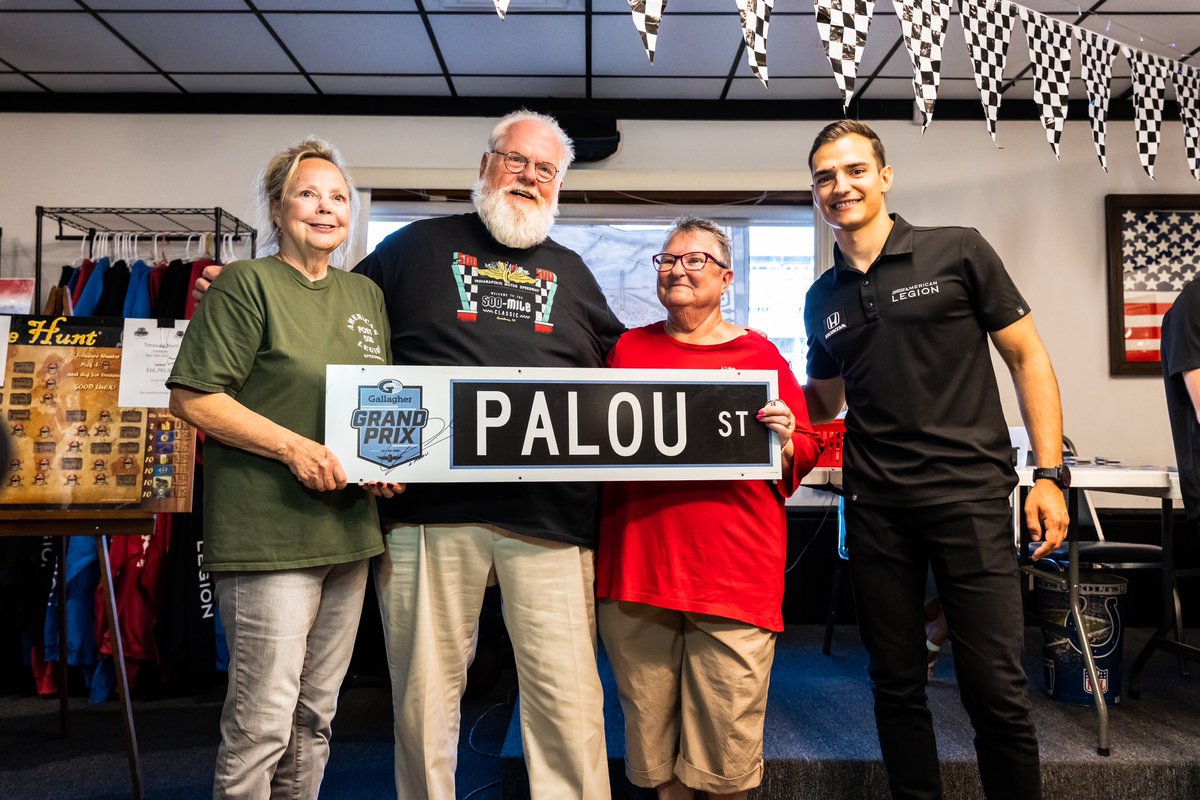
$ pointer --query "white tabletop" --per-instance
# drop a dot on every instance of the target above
(1145, 481)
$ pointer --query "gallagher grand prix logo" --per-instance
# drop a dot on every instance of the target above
(389, 420)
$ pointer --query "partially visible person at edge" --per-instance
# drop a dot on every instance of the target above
(1181, 381)
(287, 541)
(492, 289)
(898, 330)
(690, 573)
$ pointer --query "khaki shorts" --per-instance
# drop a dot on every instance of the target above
(694, 691)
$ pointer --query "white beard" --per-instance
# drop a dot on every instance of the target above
(513, 223)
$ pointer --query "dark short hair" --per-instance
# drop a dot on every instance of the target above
(845, 127)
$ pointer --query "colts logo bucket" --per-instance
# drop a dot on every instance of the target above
(389, 420)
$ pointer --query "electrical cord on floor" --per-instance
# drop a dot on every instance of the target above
(811, 539)
(474, 792)
(479, 719)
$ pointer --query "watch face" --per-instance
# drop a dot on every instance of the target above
(1060, 475)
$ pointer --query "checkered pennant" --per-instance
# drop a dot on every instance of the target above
(1050, 52)
(755, 15)
(988, 26)
(501, 7)
(1150, 74)
(1096, 54)
(843, 26)
(647, 14)
(923, 23)
(1187, 89)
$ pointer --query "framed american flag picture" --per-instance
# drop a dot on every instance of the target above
(1153, 252)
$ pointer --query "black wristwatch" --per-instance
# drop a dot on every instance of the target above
(1060, 475)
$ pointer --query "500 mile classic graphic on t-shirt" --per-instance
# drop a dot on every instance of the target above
(504, 291)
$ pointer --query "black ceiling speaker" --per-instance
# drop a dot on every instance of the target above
(595, 135)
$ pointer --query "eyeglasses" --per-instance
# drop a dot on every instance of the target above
(665, 262)
(516, 163)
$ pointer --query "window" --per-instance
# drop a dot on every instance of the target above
(773, 257)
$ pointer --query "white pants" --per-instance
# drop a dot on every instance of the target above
(431, 581)
(290, 634)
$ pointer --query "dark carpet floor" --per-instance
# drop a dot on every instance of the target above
(820, 739)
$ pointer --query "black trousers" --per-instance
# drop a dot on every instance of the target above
(969, 548)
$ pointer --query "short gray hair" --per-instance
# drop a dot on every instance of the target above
(702, 225)
(523, 115)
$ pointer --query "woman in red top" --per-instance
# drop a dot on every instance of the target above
(690, 574)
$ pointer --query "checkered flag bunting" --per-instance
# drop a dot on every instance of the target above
(647, 14)
(1187, 89)
(1050, 53)
(501, 7)
(843, 26)
(988, 26)
(1096, 53)
(923, 23)
(755, 14)
(1150, 74)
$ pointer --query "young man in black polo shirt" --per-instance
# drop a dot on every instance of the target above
(898, 330)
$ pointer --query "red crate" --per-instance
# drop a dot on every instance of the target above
(832, 435)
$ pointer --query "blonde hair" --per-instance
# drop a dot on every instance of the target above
(273, 182)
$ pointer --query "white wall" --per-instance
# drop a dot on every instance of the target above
(1045, 218)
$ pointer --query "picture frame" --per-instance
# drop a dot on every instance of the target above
(1153, 247)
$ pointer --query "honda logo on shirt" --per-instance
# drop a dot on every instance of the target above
(834, 322)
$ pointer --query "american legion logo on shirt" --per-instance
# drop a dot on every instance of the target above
(389, 420)
(504, 291)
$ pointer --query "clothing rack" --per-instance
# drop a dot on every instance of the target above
(169, 224)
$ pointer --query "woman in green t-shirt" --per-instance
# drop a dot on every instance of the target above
(287, 541)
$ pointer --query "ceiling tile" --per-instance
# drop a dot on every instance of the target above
(957, 88)
(23, 5)
(689, 45)
(64, 42)
(357, 42)
(515, 7)
(523, 86)
(169, 5)
(884, 33)
(783, 89)
(336, 5)
(533, 44)
(658, 88)
(793, 49)
(253, 84)
(383, 85)
(85, 82)
(11, 82)
(198, 42)
(672, 11)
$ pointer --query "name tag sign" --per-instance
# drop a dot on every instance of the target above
(440, 424)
